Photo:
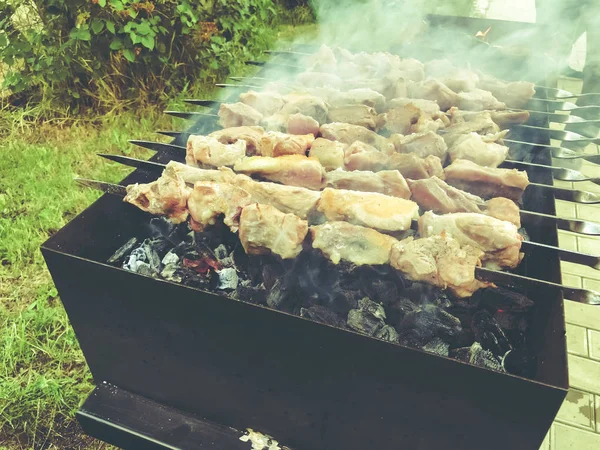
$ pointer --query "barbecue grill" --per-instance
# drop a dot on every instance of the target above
(180, 367)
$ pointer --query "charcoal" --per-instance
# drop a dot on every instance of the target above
(228, 279)
(170, 272)
(381, 290)
(324, 315)
(270, 274)
(398, 309)
(489, 334)
(430, 321)
(146, 269)
(387, 333)
(520, 362)
(135, 258)
(461, 354)
(280, 296)
(424, 294)
(119, 256)
(221, 252)
(480, 357)
(504, 299)
(252, 294)
(160, 246)
(437, 347)
(343, 301)
(364, 322)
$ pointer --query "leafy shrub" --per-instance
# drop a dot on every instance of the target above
(95, 52)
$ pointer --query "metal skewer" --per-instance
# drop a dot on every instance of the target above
(573, 225)
(580, 295)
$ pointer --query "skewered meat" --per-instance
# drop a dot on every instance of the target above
(306, 104)
(485, 181)
(192, 174)
(361, 96)
(433, 194)
(356, 244)
(329, 153)
(482, 124)
(348, 134)
(420, 144)
(413, 69)
(209, 201)
(295, 200)
(504, 119)
(503, 209)
(264, 229)
(251, 135)
(498, 239)
(435, 91)
(266, 103)
(478, 100)
(428, 106)
(461, 81)
(409, 119)
(293, 170)
(358, 114)
(377, 211)
(275, 144)
(388, 182)
(301, 124)
(515, 94)
(323, 60)
(275, 122)
(415, 168)
(238, 115)
(361, 156)
(208, 151)
(441, 261)
(166, 196)
(482, 150)
(319, 79)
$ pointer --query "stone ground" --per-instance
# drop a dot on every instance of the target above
(577, 426)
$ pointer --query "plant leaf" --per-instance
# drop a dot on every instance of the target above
(110, 26)
(148, 42)
(102, 3)
(97, 26)
(116, 44)
(129, 54)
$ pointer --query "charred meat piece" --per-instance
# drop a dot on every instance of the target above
(238, 115)
(288, 199)
(210, 201)
(498, 239)
(275, 144)
(441, 261)
(503, 209)
(435, 91)
(266, 103)
(420, 144)
(251, 135)
(482, 124)
(301, 124)
(293, 170)
(361, 156)
(515, 94)
(415, 168)
(308, 105)
(356, 244)
(329, 153)
(166, 196)
(358, 114)
(348, 134)
(377, 211)
(478, 100)
(482, 150)
(208, 151)
(264, 229)
(486, 182)
(388, 182)
(433, 194)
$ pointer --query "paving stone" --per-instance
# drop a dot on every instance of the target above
(578, 410)
(566, 437)
(594, 344)
(583, 315)
(584, 374)
(577, 340)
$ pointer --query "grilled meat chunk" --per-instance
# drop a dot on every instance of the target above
(409, 119)
(251, 135)
(486, 182)
(348, 134)
(504, 119)
(301, 124)
(361, 156)
(388, 182)
(482, 124)
(377, 211)
(329, 153)
(503, 209)
(441, 261)
(210, 201)
(265, 102)
(498, 239)
(319, 79)
(420, 144)
(264, 229)
(166, 196)
(357, 114)
(275, 144)
(192, 174)
(208, 151)
(515, 94)
(293, 170)
(360, 96)
(305, 104)
(356, 244)
(433, 194)
(295, 200)
(238, 115)
(478, 100)
(427, 106)
(482, 150)
(415, 168)
(435, 91)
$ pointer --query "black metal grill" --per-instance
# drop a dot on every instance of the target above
(172, 361)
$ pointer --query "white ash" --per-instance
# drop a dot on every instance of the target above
(228, 279)
(221, 252)
(260, 441)
(170, 258)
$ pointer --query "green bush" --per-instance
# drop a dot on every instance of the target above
(95, 52)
